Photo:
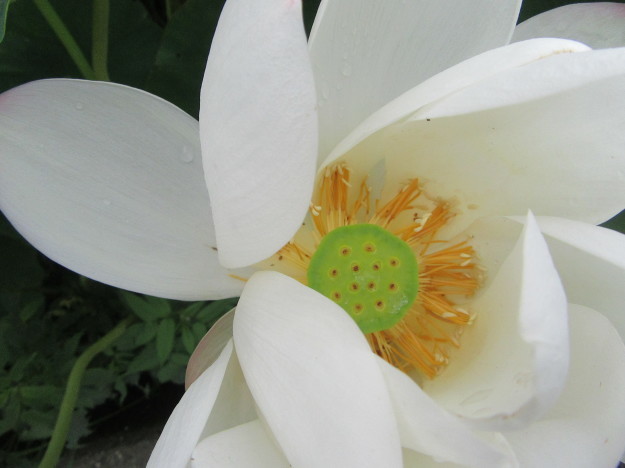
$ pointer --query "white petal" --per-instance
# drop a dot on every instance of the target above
(367, 52)
(234, 404)
(427, 428)
(313, 376)
(513, 361)
(258, 128)
(107, 180)
(414, 459)
(600, 25)
(244, 446)
(209, 348)
(554, 147)
(591, 263)
(458, 77)
(186, 423)
(587, 425)
(590, 260)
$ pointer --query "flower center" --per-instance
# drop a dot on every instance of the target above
(369, 272)
(383, 260)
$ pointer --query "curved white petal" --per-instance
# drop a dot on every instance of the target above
(313, 376)
(591, 263)
(587, 425)
(451, 80)
(600, 25)
(573, 76)
(258, 128)
(244, 446)
(426, 427)
(234, 404)
(546, 136)
(209, 348)
(107, 180)
(513, 361)
(367, 52)
(186, 424)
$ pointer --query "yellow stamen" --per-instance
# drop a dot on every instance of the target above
(423, 339)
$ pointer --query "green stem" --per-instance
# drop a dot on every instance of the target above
(66, 38)
(100, 39)
(64, 419)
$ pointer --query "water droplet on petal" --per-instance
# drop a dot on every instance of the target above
(79, 106)
(187, 156)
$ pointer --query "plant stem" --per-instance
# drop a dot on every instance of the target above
(64, 419)
(66, 38)
(100, 39)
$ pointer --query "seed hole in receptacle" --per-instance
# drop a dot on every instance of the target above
(394, 262)
(355, 267)
(376, 266)
(336, 295)
(358, 308)
(333, 273)
(393, 287)
(371, 286)
(354, 287)
(345, 251)
(369, 247)
(379, 304)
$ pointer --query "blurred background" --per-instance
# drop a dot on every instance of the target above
(50, 315)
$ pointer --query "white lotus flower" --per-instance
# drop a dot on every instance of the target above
(448, 139)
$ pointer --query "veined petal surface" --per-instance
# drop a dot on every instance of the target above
(367, 52)
(107, 180)
(587, 425)
(513, 362)
(258, 128)
(600, 25)
(314, 378)
(468, 73)
(546, 136)
(186, 424)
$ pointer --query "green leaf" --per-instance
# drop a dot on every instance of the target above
(147, 334)
(146, 360)
(160, 307)
(617, 223)
(188, 339)
(40, 396)
(31, 308)
(4, 9)
(139, 306)
(179, 67)
(199, 330)
(165, 339)
(213, 311)
(191, 310)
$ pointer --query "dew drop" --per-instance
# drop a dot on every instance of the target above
(186, 156)
(106, 202)
(79, 106)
